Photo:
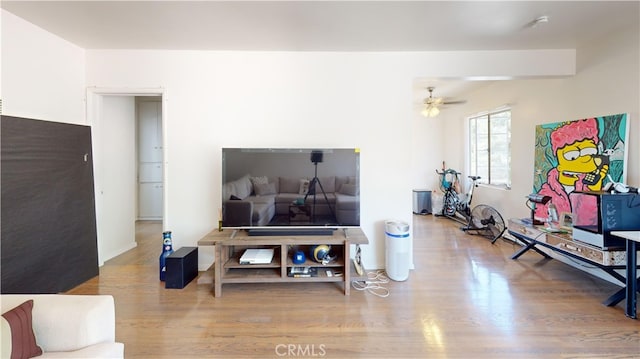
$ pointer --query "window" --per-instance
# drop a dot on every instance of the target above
(489, 147)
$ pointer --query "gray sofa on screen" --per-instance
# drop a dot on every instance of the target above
(255, 201)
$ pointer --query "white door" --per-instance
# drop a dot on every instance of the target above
(115, 174)
(149, 159)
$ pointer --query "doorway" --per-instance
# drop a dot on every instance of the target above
(113, 116)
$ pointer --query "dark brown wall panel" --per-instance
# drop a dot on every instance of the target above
(48, 220)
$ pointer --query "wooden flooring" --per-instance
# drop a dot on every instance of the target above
(465, 299)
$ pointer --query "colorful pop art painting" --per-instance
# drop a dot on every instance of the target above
(578, 156)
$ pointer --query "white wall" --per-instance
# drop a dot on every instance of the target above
(43, 77)
(264, 99)
(42, 74)
(607, 82)
(282, 99)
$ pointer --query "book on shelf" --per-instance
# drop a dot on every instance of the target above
(302, 272)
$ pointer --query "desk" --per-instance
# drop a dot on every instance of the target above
(632, 238)
(608, 261)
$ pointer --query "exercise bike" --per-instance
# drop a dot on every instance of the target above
(482, 219)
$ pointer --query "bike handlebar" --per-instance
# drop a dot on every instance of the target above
(473, 178)
(449, 171)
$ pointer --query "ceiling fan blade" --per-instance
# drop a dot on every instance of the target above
(457, 102)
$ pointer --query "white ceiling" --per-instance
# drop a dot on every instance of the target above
(327, 25)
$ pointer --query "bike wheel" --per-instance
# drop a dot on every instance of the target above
(449, 204)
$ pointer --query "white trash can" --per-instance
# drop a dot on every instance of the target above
(397, 243)
(437, 203)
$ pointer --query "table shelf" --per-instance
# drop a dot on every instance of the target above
(607, 260)
(229, 245)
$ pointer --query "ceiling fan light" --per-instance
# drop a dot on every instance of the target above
(430, 111)
(433, 111)
(431, 104)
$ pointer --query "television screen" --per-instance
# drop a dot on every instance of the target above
(276, 188)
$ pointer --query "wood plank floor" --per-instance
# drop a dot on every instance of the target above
(465, 299)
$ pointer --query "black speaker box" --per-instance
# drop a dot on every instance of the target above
(316, 156)
(182, 267)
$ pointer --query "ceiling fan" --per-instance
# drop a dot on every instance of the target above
(432, 104)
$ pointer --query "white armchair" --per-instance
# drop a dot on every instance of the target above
(71, 326)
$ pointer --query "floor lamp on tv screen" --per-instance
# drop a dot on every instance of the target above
(316, 157)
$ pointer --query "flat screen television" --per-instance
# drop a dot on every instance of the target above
(292, 190)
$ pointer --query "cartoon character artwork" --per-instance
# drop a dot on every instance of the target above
(578, 156)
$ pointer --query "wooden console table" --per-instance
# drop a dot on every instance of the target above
(608, 261)
(229, 246)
